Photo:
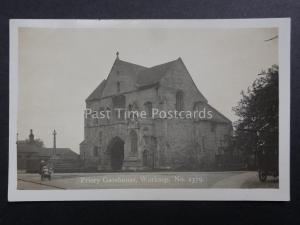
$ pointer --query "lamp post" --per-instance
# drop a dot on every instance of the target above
(54, 142)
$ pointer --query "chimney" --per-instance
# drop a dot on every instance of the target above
(31, 137)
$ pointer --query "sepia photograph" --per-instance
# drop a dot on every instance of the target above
(149, 110)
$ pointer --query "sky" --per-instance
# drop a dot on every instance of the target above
(59, 68)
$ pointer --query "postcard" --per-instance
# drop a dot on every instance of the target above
(149, 110)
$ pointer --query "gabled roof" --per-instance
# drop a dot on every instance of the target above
(141, 76)
(128, 69)
(97, 93)
(222, 117)
(66, 152)
(24, 147)
(83, 142)
(44, 152)
(154, 74)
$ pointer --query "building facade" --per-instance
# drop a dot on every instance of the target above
(152, 142)
(31, 152)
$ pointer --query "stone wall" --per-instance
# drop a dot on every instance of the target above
(161, 143)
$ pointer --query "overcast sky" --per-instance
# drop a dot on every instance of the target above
(59, 68)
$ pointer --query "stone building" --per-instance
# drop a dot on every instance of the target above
(118, 143)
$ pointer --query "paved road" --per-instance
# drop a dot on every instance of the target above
(231, 179)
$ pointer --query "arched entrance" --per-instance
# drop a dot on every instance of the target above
(116, 149)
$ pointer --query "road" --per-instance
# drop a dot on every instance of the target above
(228, 179)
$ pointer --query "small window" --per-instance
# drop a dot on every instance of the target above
(197, 106)
(148, 108)
(95, 151)
(133, 109)
(118, 87)
(133, 142)
(119, 103)
(109, 115)
(129, 107)
(179, 101)
(100, 138)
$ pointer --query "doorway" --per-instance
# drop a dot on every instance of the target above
(116, 149)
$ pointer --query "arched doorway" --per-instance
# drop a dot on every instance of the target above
(116, 149)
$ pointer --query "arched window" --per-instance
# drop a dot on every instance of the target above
(148, 109)
(118, 87)
(134, 110)
(179, 101)
(133, 142)
(135, 106)
(213, 126)
(130, 111)
(100, 138)
(130, 107)
(196, 106)
(109, 115)
(119, 107)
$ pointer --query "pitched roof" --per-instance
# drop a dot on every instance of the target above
(154, 74)
(97, 93)
(141, 76)
(128, 69)
(221, 118)
(24, 147)
(45, 152)
(63, 152)
(83, 142)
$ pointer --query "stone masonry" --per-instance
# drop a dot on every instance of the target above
(151, 143)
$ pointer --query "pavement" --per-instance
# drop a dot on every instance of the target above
(227, 179)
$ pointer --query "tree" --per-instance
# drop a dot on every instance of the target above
(257, 126)
(37, 142)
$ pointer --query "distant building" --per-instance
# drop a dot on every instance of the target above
(30, 153)
(144, 144)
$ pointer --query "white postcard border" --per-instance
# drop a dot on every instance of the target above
(280, 194)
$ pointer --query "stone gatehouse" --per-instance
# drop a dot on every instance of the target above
(119, 143)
